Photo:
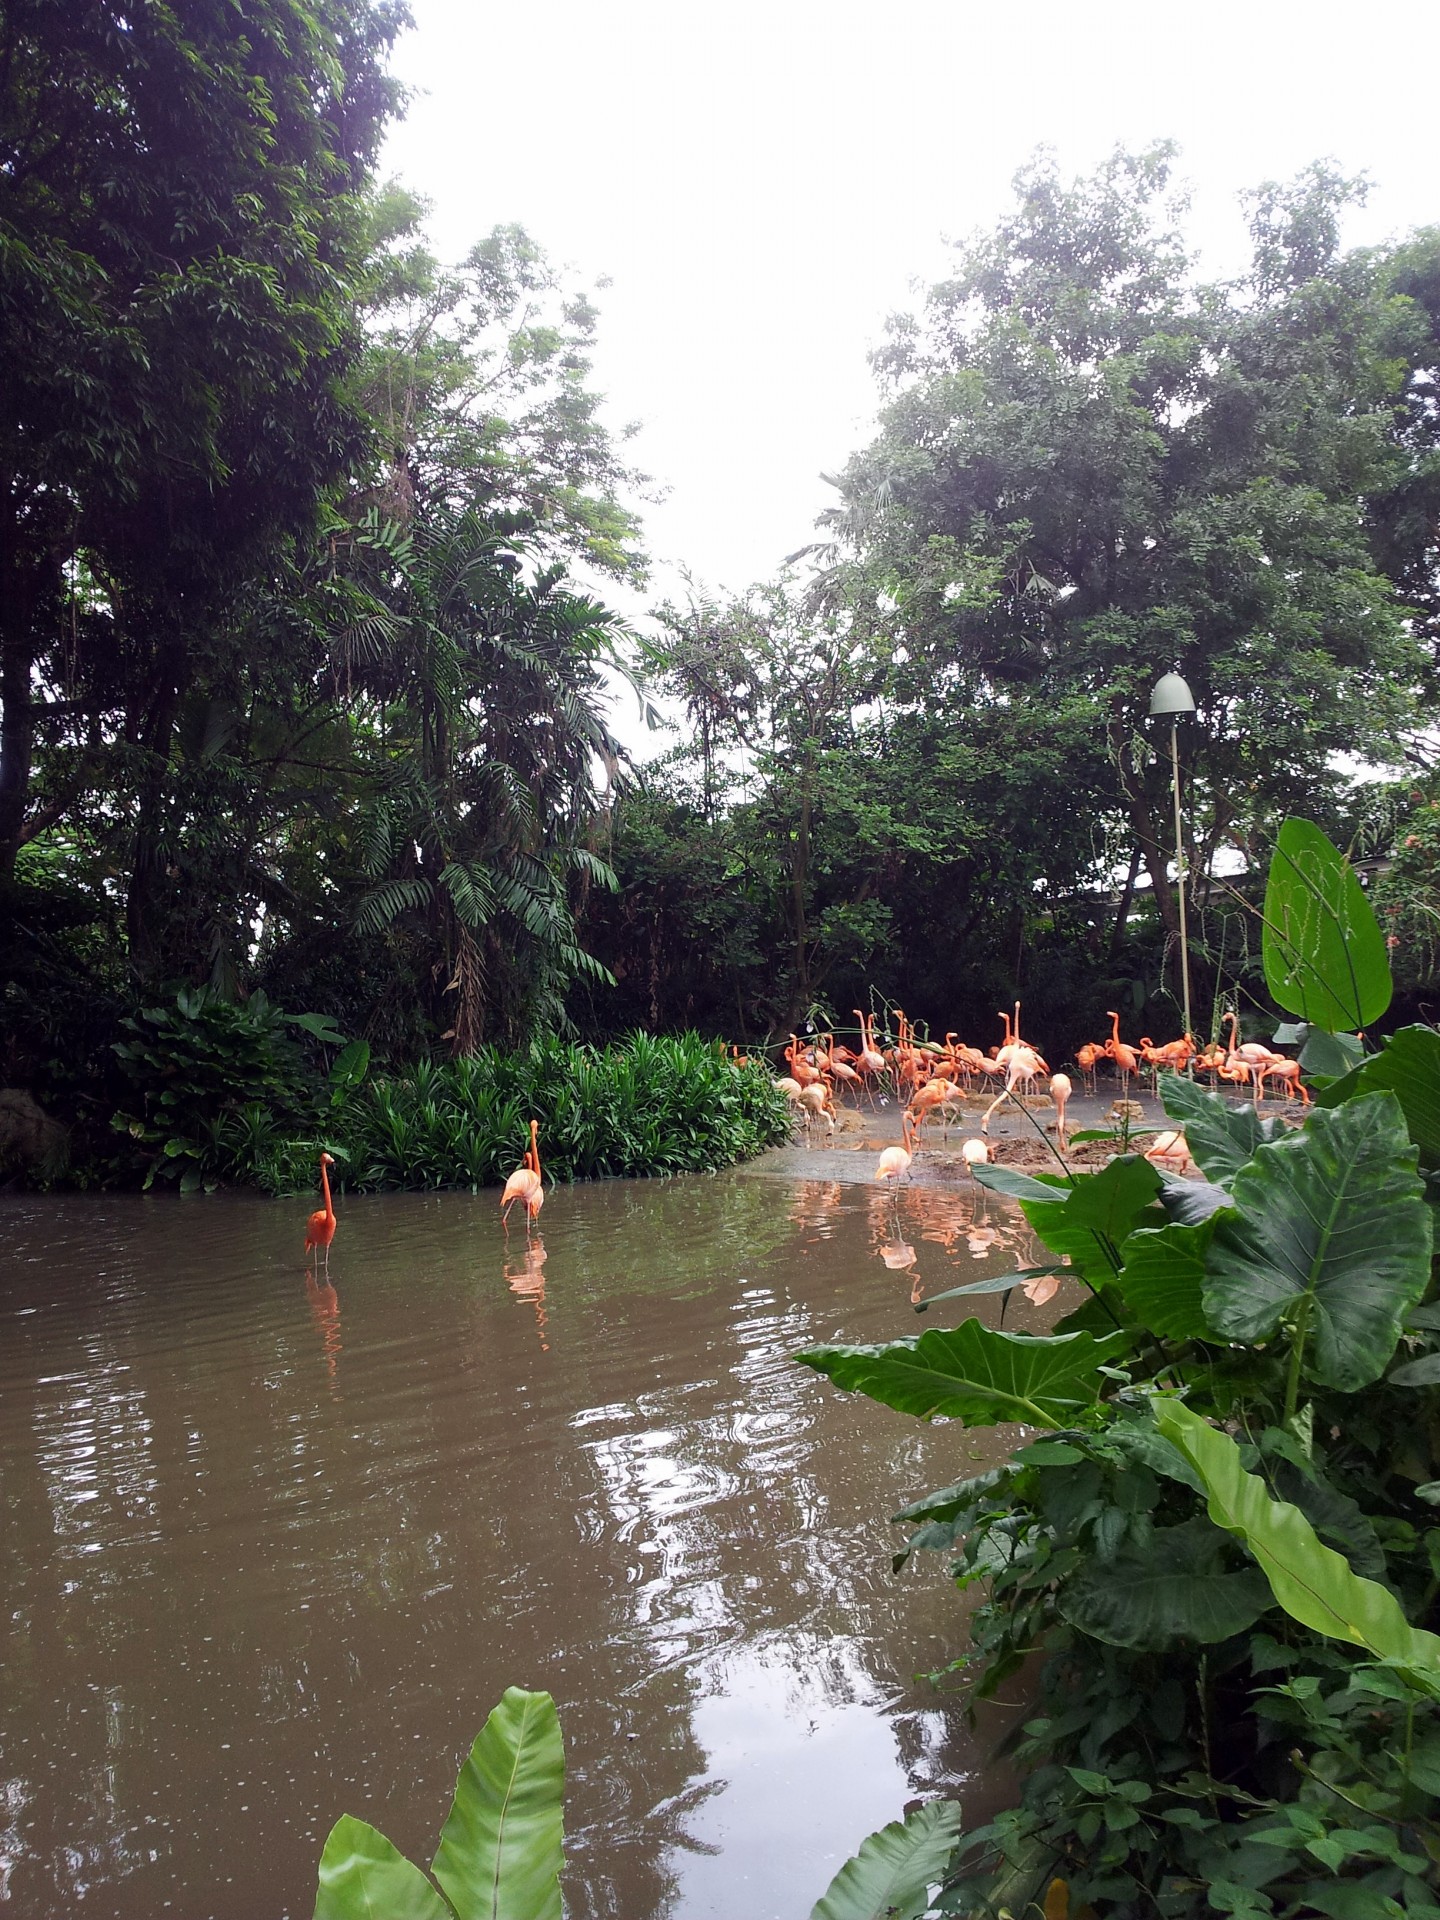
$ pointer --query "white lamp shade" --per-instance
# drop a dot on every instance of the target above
(1171, 696)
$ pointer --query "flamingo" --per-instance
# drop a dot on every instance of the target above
(525, 1185)
(321, 1230)
(1087, 1058)
(1127, 1061)
(816, 1103)
(975, 1153)
(1287, 1072)
(894, 1162)
(1060, 1091)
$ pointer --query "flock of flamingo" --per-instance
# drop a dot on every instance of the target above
(931, 1078)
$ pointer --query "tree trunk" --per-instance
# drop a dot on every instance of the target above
(17, 737)
(1122, 917)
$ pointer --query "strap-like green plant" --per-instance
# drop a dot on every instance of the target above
(502, 1845)
(501, 1849)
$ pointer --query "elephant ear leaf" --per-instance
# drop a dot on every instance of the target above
(1221, 1138)
(1409, 1066)
(1324, 953)
(1329, 1234)
(1163, 1278)
(976, 1374)
(1176, 1587)
(891, 1874)
(364, 1877)
(501, 1849)
(1314, 1584)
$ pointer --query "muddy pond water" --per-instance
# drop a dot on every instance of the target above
(274, 1547)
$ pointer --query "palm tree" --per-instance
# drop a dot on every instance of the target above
(485, 745)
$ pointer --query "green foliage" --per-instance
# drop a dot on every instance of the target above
(223, 1091)
(212, 1085)
(1324, 951)
(650, 1106)
(973, 1373)
(1313, 1583)
(1226, 1549)
(501, 1848)
(1331, 1236)
(889, 1878)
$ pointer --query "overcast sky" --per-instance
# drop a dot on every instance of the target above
(764, 183)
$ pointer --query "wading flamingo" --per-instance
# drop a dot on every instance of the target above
(1127, 1061)
(525, 1185)
(321, 1230)
(894, 1163)
(1060, 1091)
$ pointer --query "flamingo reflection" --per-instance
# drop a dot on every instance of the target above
(325, 1312)
(816, 1203)
(525, 1278)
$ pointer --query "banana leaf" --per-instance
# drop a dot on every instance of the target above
(362, 1875)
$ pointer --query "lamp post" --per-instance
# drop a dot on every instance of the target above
(1172, 698)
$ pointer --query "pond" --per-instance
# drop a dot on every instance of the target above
(275, 1547)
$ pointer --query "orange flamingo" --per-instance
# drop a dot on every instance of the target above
(1287, 1072)
(525, 1185)
(1127, 1061)
(321, 1230)
(894, 1163)
(1087, 1058)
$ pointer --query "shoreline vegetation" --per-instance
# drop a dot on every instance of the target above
(212, 1093)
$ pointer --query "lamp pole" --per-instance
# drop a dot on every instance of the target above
(1171, 699)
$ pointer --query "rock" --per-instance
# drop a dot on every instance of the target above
(29, 1138)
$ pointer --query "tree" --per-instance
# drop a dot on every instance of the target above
(180, 233)
(1154, 474)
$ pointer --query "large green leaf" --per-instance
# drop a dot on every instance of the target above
(1162, 1278)
(501, 1849)
(1221, 1138)
(1330, 1232)
(888, 1879)
(363, 1877)
(1019, 1186)
(1175, 1587)
(975, 1374)
(1410, 1067)
(1323, 950)
(1314, 1585)
(1100, 1210)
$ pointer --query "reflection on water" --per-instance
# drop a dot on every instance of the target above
(525, 1277)
(257, 1576)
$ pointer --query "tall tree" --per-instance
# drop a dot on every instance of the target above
(1156, 474)
(180, 234)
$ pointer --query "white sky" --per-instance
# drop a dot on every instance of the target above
(763, 183)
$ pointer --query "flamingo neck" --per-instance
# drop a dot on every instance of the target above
(325, 1190)
(535, 1147)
